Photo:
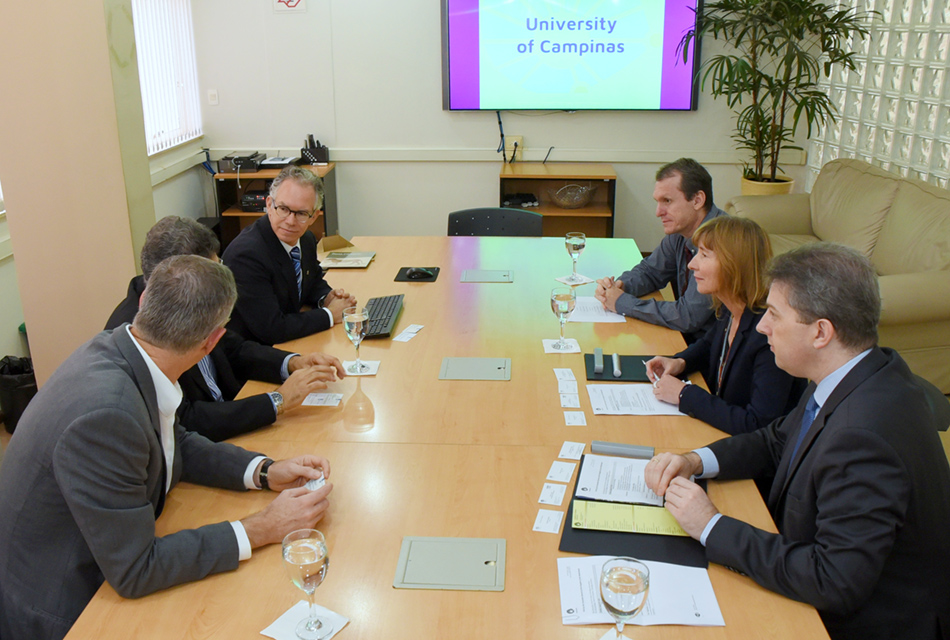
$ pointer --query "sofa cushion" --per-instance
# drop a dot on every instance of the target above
(782, 242)
(916, 233)
(849, 202)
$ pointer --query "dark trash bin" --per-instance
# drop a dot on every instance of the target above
(17, 388)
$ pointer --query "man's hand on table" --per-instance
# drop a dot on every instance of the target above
(336, 301)
(608, 291)
(667, 474)
(296, 507)
(308, 378)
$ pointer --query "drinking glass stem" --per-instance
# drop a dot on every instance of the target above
(574, 277)
(561, 341)
(619, 630)
(313, 623)
(358, 365)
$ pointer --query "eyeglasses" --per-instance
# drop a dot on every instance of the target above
(284, 211)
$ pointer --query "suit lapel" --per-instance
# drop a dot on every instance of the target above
(143, 381)
(281, 258)
(861, 372)
(745, 323)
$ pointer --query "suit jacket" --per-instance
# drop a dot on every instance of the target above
(862, 510)
(236, 361)
(268, 309)
(754, 390)
(82, 484)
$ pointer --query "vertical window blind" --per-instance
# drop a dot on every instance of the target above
(165, 44)
(894, 110)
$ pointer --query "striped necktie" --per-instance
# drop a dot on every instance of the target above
(295, 256)
(209, 373)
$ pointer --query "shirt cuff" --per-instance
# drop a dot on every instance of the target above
(329, 315)
(709, 526)
(710, 463)
(285, 367)
(244, 543)
(249, 474)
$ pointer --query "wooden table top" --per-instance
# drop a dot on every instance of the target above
(445, 458)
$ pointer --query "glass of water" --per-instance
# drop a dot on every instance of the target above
(307, 559)
(563, 300)
(575, 243)
(624, 584)
(355, 320)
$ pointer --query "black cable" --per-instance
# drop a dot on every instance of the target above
(514, 152)
(547, 155)
(501, 132)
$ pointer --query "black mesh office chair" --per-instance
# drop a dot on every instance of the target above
(495, 222)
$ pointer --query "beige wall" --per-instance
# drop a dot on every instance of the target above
(69, 220)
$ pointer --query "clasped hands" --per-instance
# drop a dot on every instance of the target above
(296, 507)
(336, 301)
(667, 474)
(608, 291)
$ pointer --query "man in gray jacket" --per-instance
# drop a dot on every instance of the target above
(99, 447)
(684, 201)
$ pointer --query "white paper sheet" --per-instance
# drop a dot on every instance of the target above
(322, 399)
(678, 595)
(575, 419)
(548, 521)
(615, 479)
(581, 279)
(628, 400)
(589, 309)
(561, 471)
(372, 364)
(570, 401)
(567, 386)
(571, 450)
(572, 346)
(284, 628)
(564, 374)
(552, 494)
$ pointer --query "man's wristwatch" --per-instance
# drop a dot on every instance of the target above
(278, 401)
(262, 474)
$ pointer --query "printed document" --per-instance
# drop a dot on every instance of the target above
(678, 594)
(628, 400)
(589, 309)
(613, 479)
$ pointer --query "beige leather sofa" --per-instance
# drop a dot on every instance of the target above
(902, 225)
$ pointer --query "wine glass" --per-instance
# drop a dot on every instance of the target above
(355, 320)
(624, 584)
(307, 559)
(575, 243)
(563, 300)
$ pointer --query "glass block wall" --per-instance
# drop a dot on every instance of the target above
(894, 111)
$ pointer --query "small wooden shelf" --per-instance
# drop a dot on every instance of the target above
(231, 186)
(596, 219)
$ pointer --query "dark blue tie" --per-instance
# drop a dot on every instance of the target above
(811, 410)
(295, 256)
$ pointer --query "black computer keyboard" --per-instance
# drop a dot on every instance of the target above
(383, 313)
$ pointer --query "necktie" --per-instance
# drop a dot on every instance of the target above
(295, 256)
(206, 367)
(811, 410)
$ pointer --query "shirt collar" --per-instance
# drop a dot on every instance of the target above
(828, 384)
(288, 247)
(167, 393)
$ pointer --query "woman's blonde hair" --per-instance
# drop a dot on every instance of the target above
(743, 250)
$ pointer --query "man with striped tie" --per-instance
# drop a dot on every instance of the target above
(281, 291)
(209, 388)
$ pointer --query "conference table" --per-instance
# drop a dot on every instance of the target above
(413, 455)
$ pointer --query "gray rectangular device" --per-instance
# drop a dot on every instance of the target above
(623, 450)
(455, 564)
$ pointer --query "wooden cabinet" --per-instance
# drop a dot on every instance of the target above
(231, 186)
(595, 219)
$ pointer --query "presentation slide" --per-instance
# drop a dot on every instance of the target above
(569, 54)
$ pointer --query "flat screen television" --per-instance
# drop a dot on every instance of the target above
(567, 55)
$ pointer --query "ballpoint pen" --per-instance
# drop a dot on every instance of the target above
(655, 379)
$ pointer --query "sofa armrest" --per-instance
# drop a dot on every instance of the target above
(909, 298)
(784, 214)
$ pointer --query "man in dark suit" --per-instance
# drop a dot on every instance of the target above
(281, 291)
(209, 387)
(98, 449)
(861, 495)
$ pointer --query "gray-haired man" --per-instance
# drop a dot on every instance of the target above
(98, 449)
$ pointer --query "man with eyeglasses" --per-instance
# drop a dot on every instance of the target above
(281, 291)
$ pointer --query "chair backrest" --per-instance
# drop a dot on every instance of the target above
(495, 222)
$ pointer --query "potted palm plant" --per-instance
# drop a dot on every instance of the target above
(779, 49)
